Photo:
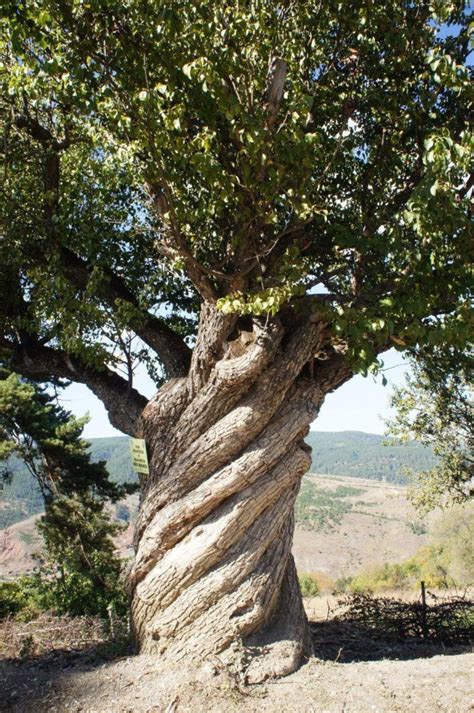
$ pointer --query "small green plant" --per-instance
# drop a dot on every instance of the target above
(11, 600)
(346, 491)
(308, 585)
(21, 598)
(417, 527)
(343, 585)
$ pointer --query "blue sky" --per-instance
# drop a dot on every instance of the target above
(360, 405)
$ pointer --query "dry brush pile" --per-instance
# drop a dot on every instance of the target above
(370, 628)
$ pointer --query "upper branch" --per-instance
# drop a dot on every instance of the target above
(173, 352)
(171, 349)
(174, 243)
(124, 405)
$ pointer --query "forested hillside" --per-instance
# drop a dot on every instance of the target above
(20, 495)
(366, 455)
(348, 453)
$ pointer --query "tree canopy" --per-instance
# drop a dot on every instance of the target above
(264, 157)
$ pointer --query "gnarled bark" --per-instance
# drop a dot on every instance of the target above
(213, 573)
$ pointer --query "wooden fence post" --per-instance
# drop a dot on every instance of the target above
(424, 624)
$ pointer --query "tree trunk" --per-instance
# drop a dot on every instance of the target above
(213, 573)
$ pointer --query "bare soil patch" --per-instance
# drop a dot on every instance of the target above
(377, 529)
(72, 665)
(441, 683)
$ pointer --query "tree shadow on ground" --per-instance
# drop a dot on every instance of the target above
(32, 682)
(365, 628)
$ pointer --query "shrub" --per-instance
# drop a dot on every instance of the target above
(439, 566)
(21, 598)
(451, 540)
(74, 593)
(343, 585)
(418, 528)
(449, 620)
(10, 599)
(382, 578)
(308, 585)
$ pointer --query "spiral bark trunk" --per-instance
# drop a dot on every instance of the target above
(213, 573)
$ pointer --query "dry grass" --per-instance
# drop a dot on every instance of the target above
(48, 634)
(73, 664)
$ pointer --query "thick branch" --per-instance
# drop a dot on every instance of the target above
(274, 93)
(124, 405)
(174, 354)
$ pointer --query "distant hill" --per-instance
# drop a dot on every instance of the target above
(342, 526)
(20, 496)
(363, 455)
(346, 453)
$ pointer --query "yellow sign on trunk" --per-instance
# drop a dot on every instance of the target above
(139, 455)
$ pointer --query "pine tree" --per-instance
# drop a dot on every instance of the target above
(80, 570)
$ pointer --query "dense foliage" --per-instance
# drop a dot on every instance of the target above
(242, 153)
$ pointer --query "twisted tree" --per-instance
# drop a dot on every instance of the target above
(255, 200)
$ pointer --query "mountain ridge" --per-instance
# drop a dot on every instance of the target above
(354, 454)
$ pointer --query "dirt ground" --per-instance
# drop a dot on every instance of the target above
(349, 675)
(136, 684)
